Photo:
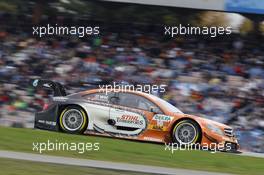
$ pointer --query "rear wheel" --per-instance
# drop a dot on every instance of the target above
(186, 132)
(73, 120)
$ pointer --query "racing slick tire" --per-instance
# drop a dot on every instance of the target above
(186, 133)
(73, 120)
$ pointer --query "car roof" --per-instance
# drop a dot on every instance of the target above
(150, 97)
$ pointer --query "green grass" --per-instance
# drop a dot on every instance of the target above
(18, 167)
(117, 150)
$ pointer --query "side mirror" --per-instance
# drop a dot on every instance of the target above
(154, 110)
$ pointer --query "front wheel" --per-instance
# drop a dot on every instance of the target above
(73, 120)
(186, 132)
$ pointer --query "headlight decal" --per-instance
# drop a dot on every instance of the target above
(215, 129)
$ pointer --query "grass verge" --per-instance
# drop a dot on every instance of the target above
(117, 150)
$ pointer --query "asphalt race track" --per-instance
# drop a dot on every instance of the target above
(261, 155)
(110, 165)
(101, 164)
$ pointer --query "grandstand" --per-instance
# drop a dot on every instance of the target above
(220, 78)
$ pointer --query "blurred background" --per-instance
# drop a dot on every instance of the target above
(218, 78)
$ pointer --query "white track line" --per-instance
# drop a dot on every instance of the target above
(101, 164)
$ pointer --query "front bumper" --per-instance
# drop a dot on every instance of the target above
(229, 143)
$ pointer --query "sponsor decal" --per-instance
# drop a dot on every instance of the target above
(130, 119)
(35, 83)
(160, 117)
(47, 122)
(152, 139)
(103, 98)
(158, 127)
(160, 122)
(60, 99)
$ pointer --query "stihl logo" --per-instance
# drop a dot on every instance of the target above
(129, 117)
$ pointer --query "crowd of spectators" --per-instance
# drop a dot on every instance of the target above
(217, 78)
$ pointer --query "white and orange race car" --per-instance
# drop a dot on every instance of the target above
(130, 115)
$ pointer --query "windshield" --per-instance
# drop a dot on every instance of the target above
(167, 105)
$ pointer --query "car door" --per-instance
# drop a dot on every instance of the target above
(130, 113)
(98, 110)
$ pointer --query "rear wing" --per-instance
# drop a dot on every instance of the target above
(57, 88)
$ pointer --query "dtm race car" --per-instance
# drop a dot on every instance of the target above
(130, 115)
